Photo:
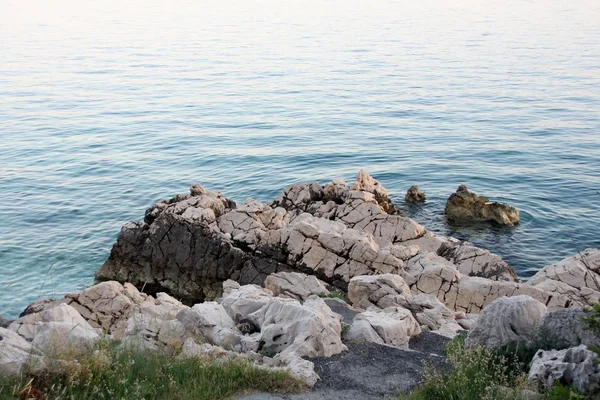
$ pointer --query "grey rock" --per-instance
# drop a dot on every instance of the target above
(508, 320)
(576, 366)
(343, 309)
(564, 328)
(464, 205)
(414, 195)
(429, 342)
(4, 323)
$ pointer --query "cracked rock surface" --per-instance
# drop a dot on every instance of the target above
(188, 245)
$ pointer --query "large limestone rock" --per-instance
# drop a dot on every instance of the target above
(508, 320)
(464, 205)
(468, 259)
(392, 326)
(240, 301)
(310, 329)
(17, 355)
(295, 285)
(564, 328)
(189, 245)
(61, 326)
(377, 290)
(211, 321)
(389, 290)
(107, 305)
(432, 274)
(575, 278)
(577, 367)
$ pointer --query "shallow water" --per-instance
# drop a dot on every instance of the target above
(108, 108)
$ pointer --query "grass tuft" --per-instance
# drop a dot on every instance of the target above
(111, 373)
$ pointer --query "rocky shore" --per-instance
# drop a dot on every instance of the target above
(309, 277)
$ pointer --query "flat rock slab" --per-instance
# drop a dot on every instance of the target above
(366, 371)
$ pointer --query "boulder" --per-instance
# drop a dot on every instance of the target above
(240, 301)
(56, 323)
(146, 332)
(577, 367)
(310, 329)
(414, 195)
(464, 205)
(17, 355)
(376, 290)
(564, 328)
(107, 305)
(508, 320)
(392, 326)
(575, 278)
(211, 321)
(299, 368)
(295, 285)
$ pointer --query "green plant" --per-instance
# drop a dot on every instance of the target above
(335, 294)
(268, 351)
(110, 372)
(474, 373)
(345, 328)
(561, 392)
(592, 318)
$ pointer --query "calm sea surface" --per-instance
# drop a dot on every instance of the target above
(107, 107)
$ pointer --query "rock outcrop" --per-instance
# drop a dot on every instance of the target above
(190, 244)
(464, 205)
(576, 278)
(414, 195)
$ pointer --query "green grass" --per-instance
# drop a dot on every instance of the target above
(474, 373)
(336, 295)
(110, 373)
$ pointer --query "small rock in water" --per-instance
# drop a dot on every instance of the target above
(414, 195)
(464, 205)
(197, 190)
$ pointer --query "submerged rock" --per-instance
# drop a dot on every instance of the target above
(464, 205)
(414, 195)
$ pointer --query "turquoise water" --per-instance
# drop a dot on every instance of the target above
(105, 109)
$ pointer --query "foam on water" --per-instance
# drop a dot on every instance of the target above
(105, 109)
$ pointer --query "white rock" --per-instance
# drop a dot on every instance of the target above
(380, 290)
(210, 320)
(576, 366)
(394, 326)
(508, 320)
(299, 368)
(362, 331)
(575, 277)
(17, 355)
(58, 338)
(310, 329)
(29, 325)
(295, 285)
(244, 300)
